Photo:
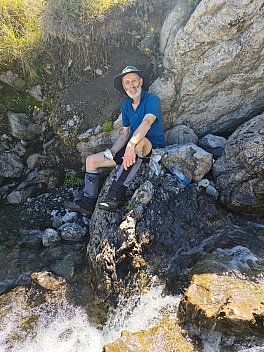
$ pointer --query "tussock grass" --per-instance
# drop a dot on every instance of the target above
(20, 33)
(26, 26)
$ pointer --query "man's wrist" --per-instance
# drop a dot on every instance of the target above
(132, 144)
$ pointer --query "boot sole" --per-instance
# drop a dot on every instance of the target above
(76, 209)
(104, 206)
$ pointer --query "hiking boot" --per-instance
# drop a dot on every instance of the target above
(114, 199)
(84, 206)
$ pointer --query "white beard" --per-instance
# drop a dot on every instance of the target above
(136, 94)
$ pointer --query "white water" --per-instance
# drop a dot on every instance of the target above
(70, 330)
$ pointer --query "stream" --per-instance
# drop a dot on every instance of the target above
(35, 319)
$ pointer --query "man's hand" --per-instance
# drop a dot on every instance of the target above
(130, 155)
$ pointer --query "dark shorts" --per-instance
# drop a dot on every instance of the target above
(119, 155)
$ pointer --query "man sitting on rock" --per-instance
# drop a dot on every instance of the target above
(142, 131)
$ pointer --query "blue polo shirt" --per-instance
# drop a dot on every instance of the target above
(149, 104)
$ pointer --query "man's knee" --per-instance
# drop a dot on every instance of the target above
(91, 161)
(144, 146)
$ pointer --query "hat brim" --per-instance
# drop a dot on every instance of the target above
(118, 81)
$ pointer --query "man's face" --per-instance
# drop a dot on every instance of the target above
(132, 84)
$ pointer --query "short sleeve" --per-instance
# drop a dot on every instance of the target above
(153, 106)
(125, 117)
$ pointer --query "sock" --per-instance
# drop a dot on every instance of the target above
(91, 187)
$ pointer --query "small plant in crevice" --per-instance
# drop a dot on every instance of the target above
(72, 181)
(107, 126)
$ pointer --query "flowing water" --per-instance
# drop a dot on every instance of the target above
(60, 326)
(35, 320)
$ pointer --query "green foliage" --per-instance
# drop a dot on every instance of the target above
(107, 126)
(71, 180)
(20, 33)
(193, 2)
(27, 25)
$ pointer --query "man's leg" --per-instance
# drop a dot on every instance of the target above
(88, 200)
(116, 193)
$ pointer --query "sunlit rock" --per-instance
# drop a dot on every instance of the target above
(48, 280)
(228, 304)
(193, 161)
(213, 65)
(167, 336)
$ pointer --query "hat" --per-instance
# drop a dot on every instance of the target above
(130, 69)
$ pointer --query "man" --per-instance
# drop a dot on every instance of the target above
(142, 131)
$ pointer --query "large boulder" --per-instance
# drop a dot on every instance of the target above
(213, 78)
(239, 173)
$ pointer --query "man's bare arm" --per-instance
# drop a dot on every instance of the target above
(121, 140)
(142, 129)
(138, 135)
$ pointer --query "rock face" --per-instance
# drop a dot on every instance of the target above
(214, 65)
(239, 173)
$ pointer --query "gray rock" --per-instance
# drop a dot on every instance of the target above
(214, 67)
(191, 160)
(69, 217)
(213, 144)
(50, 237)
(22, 126)
(11, 165)
(12, 79)
(72, 232)
(64, 267)
(239, 173)
(34, 160)
(36, 93)
(180, 134)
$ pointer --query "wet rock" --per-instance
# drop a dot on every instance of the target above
(72, 232)
(11, 165)
(213, 144)
(191, 160)
(213, 76)
(239, 173)
(22, 126)
(64, 267)
(228, 304)
(166, 336)
(31, 239)
(48, 280)
(50, 237)
(180, 134)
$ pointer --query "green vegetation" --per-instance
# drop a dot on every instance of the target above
(26, 27)
(71, 180)
(107, 126)
(20, 33)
